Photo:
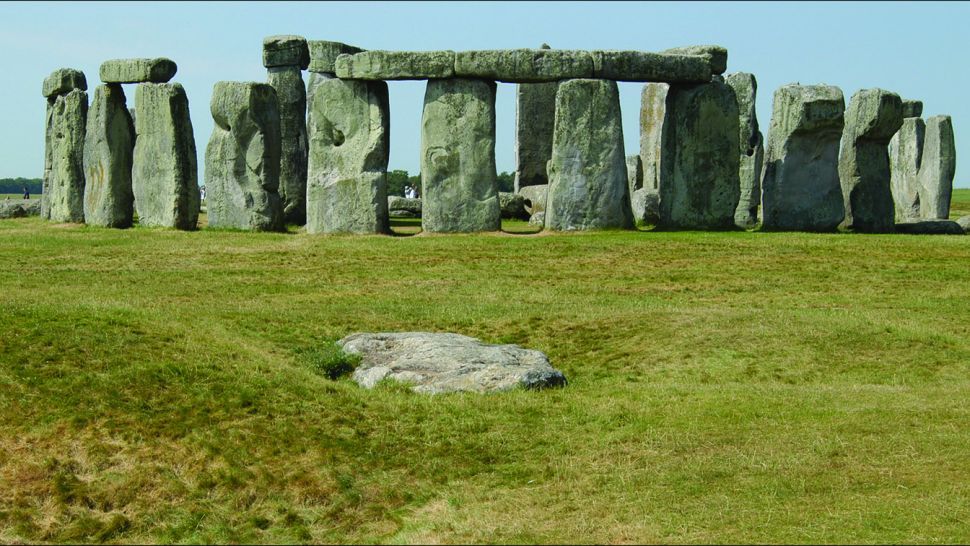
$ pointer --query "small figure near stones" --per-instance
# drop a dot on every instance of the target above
(26, 193)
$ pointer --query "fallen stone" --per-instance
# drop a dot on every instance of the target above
(292, 98)
(646, 206)
(752, 149)
(538, 219)
(285, 50)
(535, 198)
(912, 108)
(699, 186)
(641, 66)
(458, 157)
(964, 222)
(323, 55)
(63, 81)
(242, 159)
(800, 188)
(871, 119)
(349, 133)
(512, 206)
(653, 107)
(587, 173)
(524, 65)
(64, 191)
(396, 203)
(396, 65)
(164, 176)
(436, 363)
(936, 169)
(19, 208)
(109, 146)
(905, 154)
(930, 227)
(159, 70)
(716, 55)
(535, 115)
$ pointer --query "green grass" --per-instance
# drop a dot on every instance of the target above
(17, 196)
(163, 386)
(960, 203)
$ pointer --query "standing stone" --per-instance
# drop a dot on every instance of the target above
(588, 186)
(349, 136)
(164, 175)
(458, 157)
(64, 193)
(284, 58)
(60, 82)
(535, 115)
(653, 105)
(871, 120)
(936, 170)
(905, 154)
(751, 147)
(242, 160)
(108, 149)
(699, 187)
(634, 172)
(800, 189)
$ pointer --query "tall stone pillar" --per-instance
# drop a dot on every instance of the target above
(535, 113)
(458, 157)
(67, 109)
(871, 120)
(905, 153)
(751, 147)
(937, 168)
(653, 105)
(108, 151)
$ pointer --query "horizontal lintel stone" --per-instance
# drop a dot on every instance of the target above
(717, 54)
(524, 65)
(158, 70)
(396, 65)
(642, 66)
(285, 50)
(323, 55)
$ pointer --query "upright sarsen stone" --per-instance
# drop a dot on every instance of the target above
(291, 93)
(653, 107)
(937, 167)
(588, 186)
(751, 147)
(800, 190)
(64, 189)
(460, 193)
(905, 154)
(242, 159)
(164, 175)
(349, 135)
(871, 120)
(108, 150)
(535, 115)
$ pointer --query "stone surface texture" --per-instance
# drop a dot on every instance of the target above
(323, 55)
(164, 174)
(458, 157)
(158, 70)
(349, 134)
(64, 184)
(642, 66)
(912, 108)
(512, 205)
(871, 119)
(524, 65)
(587, 173)
(292, 98)
(63, 81)
(634, 172)
(905, 154)
(752, 152)
(716, 55)
(800, 187)
(964, 222)
(930, 227)
(535, 198)
(242, 159)
(108, 150)
(937, 168)
(646, 206)
(396, 203)
(19, 208)
(285, 50)
(396, 65)
(436, 363)
(653, 106)
(535, 115)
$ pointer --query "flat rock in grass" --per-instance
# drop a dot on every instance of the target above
(158, 70)
(396, 65)
(643, 66)
(930, 227)
(19, 208)
(535, 198)
(717, 55)
(964, 222)
(437, 363)
(64, 80)
(396, 203)
(285, 50)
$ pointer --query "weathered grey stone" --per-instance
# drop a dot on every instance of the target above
(291, 94)
(63, 81)
(159, 70)
(396, 203)
(535, 115)
(396, 65)
(538, 219)
(19, 208)
(800, 189)
(323, 55)
(937, 167)
(64, 190)
(286, 50)
(752, 149)
(48, 159)
(440, 362)
(164, 175)
(535, 198)
(524, 65)
(108, 149)
(349, 135)
(587, 173)
(717, 55)
(646, 206)
(912, 108)
(242, 159)
(905, 154)
(930, 227)
(699, 186)
(634, 172)
(653, 107)
(641, 66)
(458, 157)
(871, 119)
(512, 205)
(964, 222)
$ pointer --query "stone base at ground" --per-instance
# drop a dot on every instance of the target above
(930, 227)
(964, 222)
(513, 206)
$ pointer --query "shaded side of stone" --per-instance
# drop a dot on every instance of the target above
(108, 150)
(64, 194)
(930, 227)
(524, 65)
(653, 107)
(285, 50)
(63, 81)
(323, 55)
(512, 205)
(396, 65)
(535, 116)
(937, 167)
(751, 151)
(158, 70)
(905, 154)
(912, 108)
(291, 93)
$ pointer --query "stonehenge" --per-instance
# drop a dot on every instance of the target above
(936, 169)
(67, 111)
(535, 111)
(653, 103)
(109, 146)
(285, 58)
(905, 153)
(158, 70)
(751, 144)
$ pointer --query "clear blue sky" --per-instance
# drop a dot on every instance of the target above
(918, 50)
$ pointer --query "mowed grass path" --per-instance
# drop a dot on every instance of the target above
(724, 387)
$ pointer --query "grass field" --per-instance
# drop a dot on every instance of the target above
(723, 387)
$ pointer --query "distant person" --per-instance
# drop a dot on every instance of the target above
(407, 191)
(202, 192)
(26, 193)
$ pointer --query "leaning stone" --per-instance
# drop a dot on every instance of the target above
(930, 227)
(323, 55)
(587, 173)
(164, 176)
(435, 363)
(905, 153)
(912, 108)
(646, 206)
(717, 55)
(108, 150)
(964, 222)
(458, 157)
(699, 187)
(63, 81)
(158, 70)
(291, 94)
(871, 120)
(800, 188)
(937, 167)
(513, 206)
(653, 107)
(524, 65)
(752, 149)
(19, 208)
(349, 135)
(535, 115)
(535, 198)
(412, 205)
(641, 66)
(64, 194)
(242, 159)
(285, 50)
(396, 65)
